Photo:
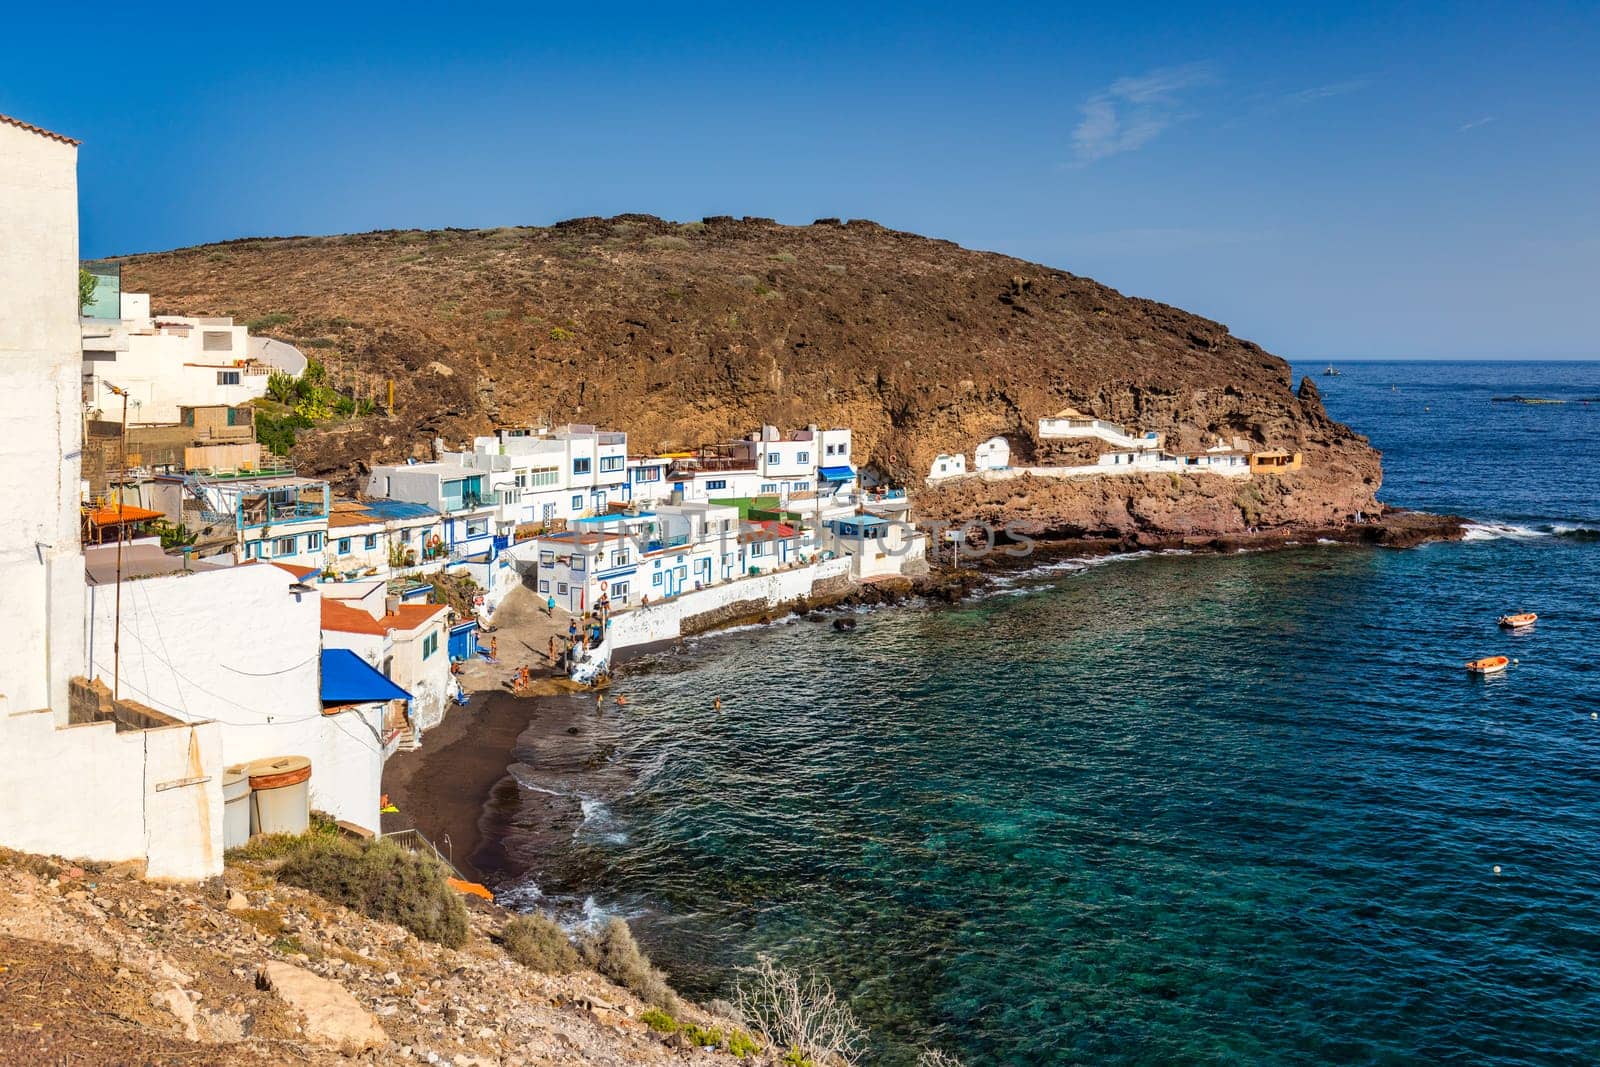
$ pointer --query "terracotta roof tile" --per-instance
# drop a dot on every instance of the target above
(339, 616)
(40, 130)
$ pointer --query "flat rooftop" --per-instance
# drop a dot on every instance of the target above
(141, 559)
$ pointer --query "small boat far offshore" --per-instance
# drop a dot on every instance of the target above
(1489, 665)
(1331, 372)
(1520, 621)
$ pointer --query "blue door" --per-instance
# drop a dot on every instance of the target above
(460, 646)
(702, 570)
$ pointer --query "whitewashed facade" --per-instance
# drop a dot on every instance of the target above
(469, 516)
(166, 362)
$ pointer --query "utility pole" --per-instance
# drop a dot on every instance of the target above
(116, 625)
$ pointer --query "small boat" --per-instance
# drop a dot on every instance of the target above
(1521, 621)
(1489, 665)
(1331, 372)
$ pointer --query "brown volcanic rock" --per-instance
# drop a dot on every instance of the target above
(683, 334)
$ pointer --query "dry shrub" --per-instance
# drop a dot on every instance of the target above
(801, 1013)
(932, 1057)
(613, 952)
(540, 945)
(382, 881)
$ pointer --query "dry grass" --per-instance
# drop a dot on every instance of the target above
(613, 952)
(382, 881)
(540, 945)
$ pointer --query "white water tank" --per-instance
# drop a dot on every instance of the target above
(280, 795)
(235, 806)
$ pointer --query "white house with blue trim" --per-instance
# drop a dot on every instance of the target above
(538, 476)
(468, 514)
(629, 558)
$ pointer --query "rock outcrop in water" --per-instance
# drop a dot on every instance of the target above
(683, 334)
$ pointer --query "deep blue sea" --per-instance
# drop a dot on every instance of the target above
(1168, 809)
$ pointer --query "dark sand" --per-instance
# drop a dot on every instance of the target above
(440, 789)
(460, 791)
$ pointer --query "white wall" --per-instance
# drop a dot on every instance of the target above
(992, 454)
(41, 565)
(165, 368)
(663, 621)
(91, 792)
(235, 645)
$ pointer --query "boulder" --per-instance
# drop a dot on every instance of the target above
(332, 1016)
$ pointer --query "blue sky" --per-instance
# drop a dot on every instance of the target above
(1353, 181)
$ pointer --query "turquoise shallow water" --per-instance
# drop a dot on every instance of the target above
(1167, 809)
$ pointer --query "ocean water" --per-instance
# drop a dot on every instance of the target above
(1165, 808)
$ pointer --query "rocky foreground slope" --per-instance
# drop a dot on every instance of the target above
(98, 967)
(688, 333)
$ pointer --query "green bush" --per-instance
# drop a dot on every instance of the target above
(561, 333)
(382, 881)
(281, 387)
(659, 1021)
(667, 242)
(540, 945)
(742, 1044)
(277, 432)
(613, 952)
(267, 322)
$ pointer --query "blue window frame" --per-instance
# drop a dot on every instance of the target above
(774, 457)
(581, 466)
(313, 542)
(717, 483)
(802, 457)
(430, 645)
(577, 502)
(655, 579)
(344, 546)
(370, 543)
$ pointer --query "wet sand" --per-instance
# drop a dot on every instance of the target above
(440, 789)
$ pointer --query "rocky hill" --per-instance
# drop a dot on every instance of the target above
(688, 333)
(98, 966)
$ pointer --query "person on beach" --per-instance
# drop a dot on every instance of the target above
(494, 649)
(550, 607)
(552, 648)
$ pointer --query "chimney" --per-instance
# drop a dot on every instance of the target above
(391, 604)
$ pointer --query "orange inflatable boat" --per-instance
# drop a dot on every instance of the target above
(1489, 665)
(1520, 621)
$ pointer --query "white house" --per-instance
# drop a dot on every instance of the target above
(537, 476)
(766, 463)
(376, 538)
(279, 518)
(404, 642)
(166, 362)
(628, 558)
(1070, 423)
(946, 465)
(877, 546)
(94, 779)
(992, 455)
(468, 513)
(239, 646)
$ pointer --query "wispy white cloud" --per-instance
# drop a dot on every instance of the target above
(1131, 112)
(1474, 124)
(1323, 92)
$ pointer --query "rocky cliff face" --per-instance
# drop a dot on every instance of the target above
(685, 334)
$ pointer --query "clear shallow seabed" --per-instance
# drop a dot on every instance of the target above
(1167, 809)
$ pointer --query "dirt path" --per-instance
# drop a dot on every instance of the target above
(522, 632)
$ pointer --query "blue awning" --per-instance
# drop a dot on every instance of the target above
(837, 474)
(349, 679)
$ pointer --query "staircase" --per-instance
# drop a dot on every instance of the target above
(409, 741)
